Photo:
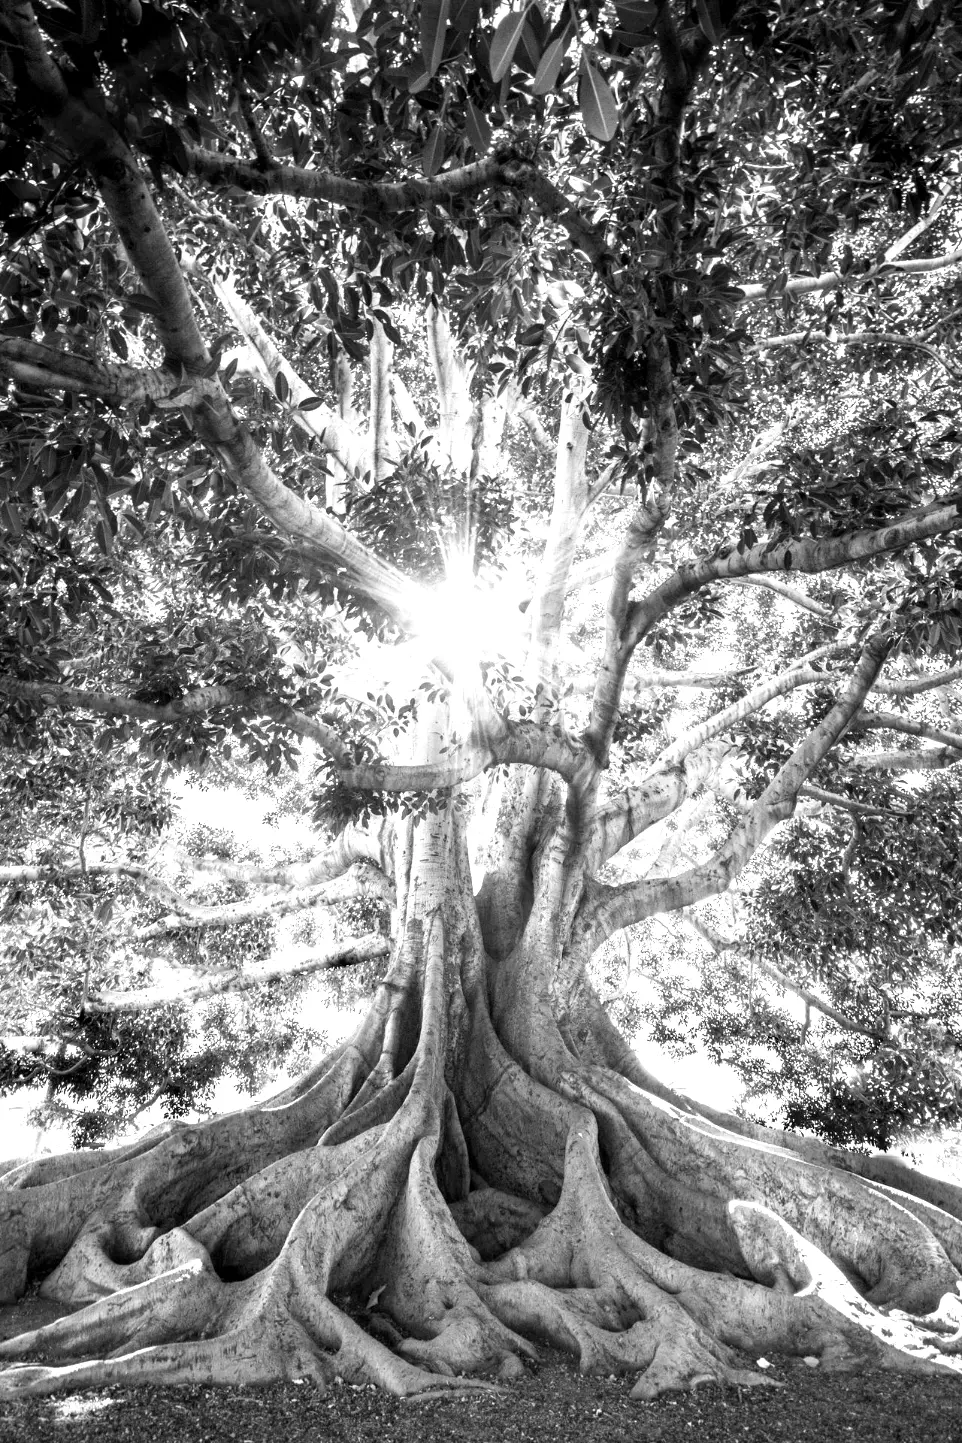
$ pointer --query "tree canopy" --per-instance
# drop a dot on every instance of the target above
(537, 430)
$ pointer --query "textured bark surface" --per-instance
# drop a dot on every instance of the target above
(480, 1170)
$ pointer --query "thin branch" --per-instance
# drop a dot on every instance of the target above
(501, 743)
(655, 677)
(358, 882)
(334, 434)
(374, 198)
(390, 198)
(261, 148)
(619, 907)
(720, 945)
(927, 759)
(373, 844)
(379, 447)
(891, 721)
(524, 412)
(858, 338)
(627, 816)
(192, 704)
(746, 705)
(909, 237)
(790, 593)
(847, 804)
(569, 504)
(832, 280)
(298, 962)
(55, 872)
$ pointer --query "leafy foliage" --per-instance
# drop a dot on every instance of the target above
(132, 565)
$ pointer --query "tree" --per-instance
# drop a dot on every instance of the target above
(485, 1163)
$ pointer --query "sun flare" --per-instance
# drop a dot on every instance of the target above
(464, 620)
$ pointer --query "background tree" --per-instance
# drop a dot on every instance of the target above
(600, 197)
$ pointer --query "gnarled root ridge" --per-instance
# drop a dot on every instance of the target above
(402, 1221)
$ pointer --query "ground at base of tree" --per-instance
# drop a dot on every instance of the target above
(551, 1403)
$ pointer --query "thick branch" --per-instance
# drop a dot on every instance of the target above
(298, 962)
(47, 368)
(638, 546)
(82, 132)
(569, 504)
(334, 434)
(804, 556)
(504, 743)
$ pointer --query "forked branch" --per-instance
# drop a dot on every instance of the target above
(621, 906)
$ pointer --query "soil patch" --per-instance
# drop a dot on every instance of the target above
(552, 1403)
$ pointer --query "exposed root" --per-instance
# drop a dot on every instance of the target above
(693, 1169)
(429, 1205)
(580, 1282)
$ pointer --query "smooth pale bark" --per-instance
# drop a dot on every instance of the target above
(567, 512)
(457, 423)
(379, 409)
(336, 434)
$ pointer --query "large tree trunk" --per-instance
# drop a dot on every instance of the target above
(482, 1167)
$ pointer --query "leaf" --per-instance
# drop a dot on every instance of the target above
(549, 68)
(708, 22)
(635, 14)
(505, 42)
(310, 403)
(140, 302)
(433, 153)
(434, 24)
(281, 386)
(464, 15)
(477, 128)
(599, 109)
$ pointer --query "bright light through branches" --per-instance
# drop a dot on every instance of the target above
(465, 621)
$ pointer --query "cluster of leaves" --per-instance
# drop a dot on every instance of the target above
(423, 517)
